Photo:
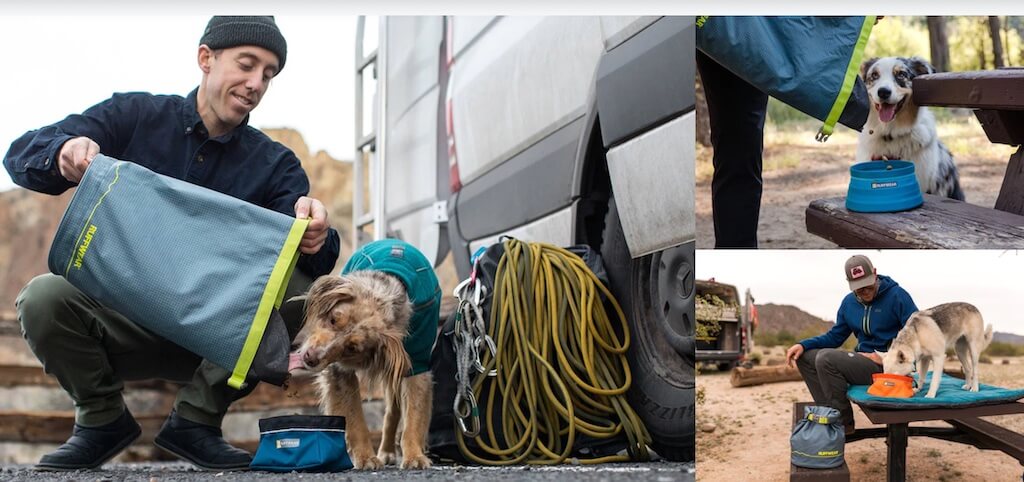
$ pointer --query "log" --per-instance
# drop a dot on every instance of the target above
(745, 377)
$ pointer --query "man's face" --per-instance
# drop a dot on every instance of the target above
(235, 80)
(867, 293)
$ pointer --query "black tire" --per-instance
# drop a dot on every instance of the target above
(656, 293)
(725, 366)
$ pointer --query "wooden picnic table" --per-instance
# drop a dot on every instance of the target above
(997, 97)
(966, 428)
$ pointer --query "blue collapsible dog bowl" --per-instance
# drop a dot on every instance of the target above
(883, 187)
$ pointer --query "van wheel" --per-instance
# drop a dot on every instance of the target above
(656, 293)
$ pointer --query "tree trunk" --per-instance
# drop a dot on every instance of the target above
(743, 377)
(982, 59)
(939, 43)
(997, 41)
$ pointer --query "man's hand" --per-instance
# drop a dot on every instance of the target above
(316, 233)
(793, 353)
(872, 356)
(75, 156)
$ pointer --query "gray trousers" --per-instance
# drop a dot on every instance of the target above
(91, 350)
(829, 372)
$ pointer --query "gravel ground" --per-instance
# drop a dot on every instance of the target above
(180, 471)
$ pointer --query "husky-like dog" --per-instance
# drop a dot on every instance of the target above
(926, 336)
(897, 128)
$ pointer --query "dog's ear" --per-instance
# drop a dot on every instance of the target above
(865, 66)
(920, 66)
(326, 292)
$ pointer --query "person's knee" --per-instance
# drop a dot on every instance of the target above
(39, 305)
(827, 358)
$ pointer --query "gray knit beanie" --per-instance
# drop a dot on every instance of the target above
(228, 31)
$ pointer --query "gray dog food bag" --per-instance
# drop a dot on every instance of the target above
(197, 267)
(818, 439)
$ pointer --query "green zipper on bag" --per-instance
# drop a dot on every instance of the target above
(849, 80)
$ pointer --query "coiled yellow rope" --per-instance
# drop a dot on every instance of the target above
(561, 367)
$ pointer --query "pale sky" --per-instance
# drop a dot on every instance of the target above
(55, 66)
(813, 280)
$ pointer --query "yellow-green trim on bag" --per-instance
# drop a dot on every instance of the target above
(272, 297)
(848, 81)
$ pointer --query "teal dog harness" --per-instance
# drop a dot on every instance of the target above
(403, 261)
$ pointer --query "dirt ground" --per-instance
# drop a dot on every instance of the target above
(752, 425)
(798, 170)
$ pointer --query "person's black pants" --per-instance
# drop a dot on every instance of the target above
(736, 111)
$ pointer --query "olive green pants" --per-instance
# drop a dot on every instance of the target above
(92, 350)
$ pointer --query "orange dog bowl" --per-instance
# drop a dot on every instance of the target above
(893, 386)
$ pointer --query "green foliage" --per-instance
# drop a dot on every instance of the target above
(998, 348)
(710, 309)
(786, 338)
(969, 38)
(898, 37)
(755, 358)
(781, 114)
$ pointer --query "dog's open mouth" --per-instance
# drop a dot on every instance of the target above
(887, 112)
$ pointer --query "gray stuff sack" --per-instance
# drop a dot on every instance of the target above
(202, 269)
(818, 439)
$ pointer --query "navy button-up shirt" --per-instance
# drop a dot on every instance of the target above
(165, 134)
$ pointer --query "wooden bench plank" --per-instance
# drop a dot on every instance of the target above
(982, 89)
(1002, 126)
(1011, 193)
(838, 474)
(940, 223)
(992, 436)
(905, 416)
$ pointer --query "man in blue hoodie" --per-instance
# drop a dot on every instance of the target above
(874, 312)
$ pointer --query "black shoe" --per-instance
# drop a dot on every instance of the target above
(91, 447)
(203, 445)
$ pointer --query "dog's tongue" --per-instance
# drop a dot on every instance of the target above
(294, 362)
(886, 112)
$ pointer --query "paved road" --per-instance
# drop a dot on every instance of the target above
(179, 471)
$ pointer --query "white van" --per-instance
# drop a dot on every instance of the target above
(569, 130)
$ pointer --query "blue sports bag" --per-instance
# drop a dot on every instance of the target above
(304, 443)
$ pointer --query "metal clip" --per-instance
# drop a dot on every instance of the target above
(489, 342)
(470, 412)
(822, 136)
